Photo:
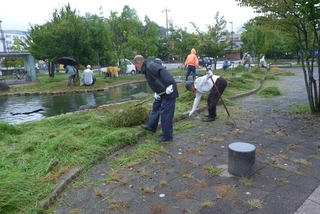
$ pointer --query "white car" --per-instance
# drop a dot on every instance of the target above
(130, 68)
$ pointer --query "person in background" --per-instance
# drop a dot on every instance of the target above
(72, 71)
(205, 84)
(263, 63)
(191, 63)
(88, 78)
(166, 92)
(225, 64)
(246, 59)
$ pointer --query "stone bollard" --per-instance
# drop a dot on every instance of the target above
(241, 159)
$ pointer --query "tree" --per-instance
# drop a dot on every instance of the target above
(124, 32)
(210, 42)
(299, 19)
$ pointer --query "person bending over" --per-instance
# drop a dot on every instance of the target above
(205, 84)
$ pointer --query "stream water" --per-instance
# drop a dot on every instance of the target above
(60, 104)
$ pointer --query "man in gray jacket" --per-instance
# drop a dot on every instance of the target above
(166, 92)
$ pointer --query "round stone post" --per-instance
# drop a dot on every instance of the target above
(241, 159)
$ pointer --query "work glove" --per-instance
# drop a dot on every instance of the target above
(169, 89)
(156, 96)
(209, 73)
(191, 113)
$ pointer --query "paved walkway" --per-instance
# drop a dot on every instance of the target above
(287, 166)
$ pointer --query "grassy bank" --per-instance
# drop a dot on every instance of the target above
(35, 154)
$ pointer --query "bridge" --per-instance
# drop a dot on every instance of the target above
(28, 61)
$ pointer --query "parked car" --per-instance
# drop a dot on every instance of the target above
(156, 60)
(126, 66)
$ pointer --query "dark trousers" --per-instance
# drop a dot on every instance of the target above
(191, 69)
(213, 97)
(165, 110)
(72, 78)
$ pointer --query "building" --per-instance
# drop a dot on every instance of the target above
(233, 51)
(8, 38)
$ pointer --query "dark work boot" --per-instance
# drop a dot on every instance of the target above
(208, 119)
(146, 127)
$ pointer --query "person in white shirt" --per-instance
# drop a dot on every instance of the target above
(88, 77)
(263, 63)
(205, 84)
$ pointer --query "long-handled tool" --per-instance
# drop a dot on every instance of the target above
(215, 86)
(146, 100)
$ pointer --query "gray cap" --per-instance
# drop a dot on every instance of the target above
(188, 84)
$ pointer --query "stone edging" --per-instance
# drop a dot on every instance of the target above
(65, 92)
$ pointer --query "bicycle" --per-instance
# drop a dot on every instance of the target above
(19, 75)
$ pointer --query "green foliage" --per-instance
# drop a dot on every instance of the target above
(299, 109)
(7, 129)
(118, 137)
(270, 92)
(215, 170)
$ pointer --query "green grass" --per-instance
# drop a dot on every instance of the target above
(35, 154)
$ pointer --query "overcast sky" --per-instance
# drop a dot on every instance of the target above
(19, 14)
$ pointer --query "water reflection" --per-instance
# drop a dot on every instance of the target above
(59, 104)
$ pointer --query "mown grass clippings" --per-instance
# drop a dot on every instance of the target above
(98, 192)
(302, 162)
(142, 152)
(185, 159)
(255, 203)
(199, 184)
(144, 173)
(207, 205)
(282, 181)
(295, 172)
(246, 181)
(226, 192)
(184, 194)
(158, 208)
(186, 174)
(148, 190)
(133, 116)
(270, 92)
(163, 183)
(118, 205)
(76, 211)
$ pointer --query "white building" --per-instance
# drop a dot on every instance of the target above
(9, 36)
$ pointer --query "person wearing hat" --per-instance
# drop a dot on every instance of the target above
(88, 77)
(191, 63)
(205, 84)
(166, 92)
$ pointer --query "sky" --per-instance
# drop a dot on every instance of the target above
(19, 14)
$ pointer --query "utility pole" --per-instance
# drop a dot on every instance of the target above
(233, 74)
(166, 11)
(231, 39)
(2, 38)
(167, 33)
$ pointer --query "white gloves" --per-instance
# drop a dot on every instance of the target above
(209, 73)
(191, 113)
(156, 96)
(169, 89)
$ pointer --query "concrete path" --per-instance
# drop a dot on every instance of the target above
(192, 176)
